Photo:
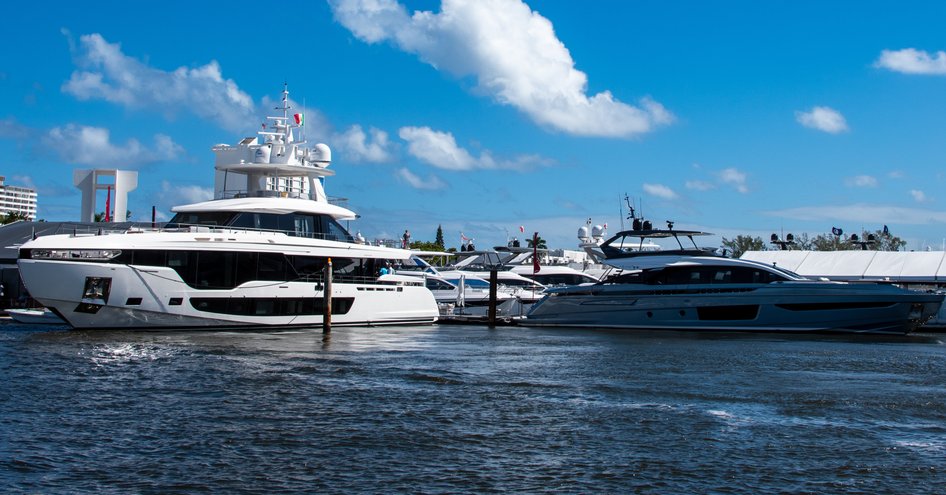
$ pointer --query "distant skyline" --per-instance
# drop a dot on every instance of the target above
(484, 116)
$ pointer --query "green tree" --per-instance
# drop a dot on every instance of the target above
(541, 242)
(438, 240)
(13, 216)
(742, 243)
(425, 246)
(828, 242)
(886, 242)
(100, 217)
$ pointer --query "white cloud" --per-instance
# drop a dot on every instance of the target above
(85, 145)
(895, 174)
(432, 181)
(918, 195)
(108, 74)
(912, 61)
(514, 55)
(660, 191)
(359, 147)
(699, 185)
(181, 195)
(10, 128)
(867, 214)
(735, 178)
(21, 180)
(861, 181)
(823, 119)
(440, 149)
(437, 148)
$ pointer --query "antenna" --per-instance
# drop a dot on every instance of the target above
(621, 213)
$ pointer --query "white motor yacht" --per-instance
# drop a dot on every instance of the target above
(253, 256)
(693, 288)
(451, 286)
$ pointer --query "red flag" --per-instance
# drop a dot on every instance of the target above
(535, 253)
(108, 204)
(522, 229)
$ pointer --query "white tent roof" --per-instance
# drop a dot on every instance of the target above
(907, 267)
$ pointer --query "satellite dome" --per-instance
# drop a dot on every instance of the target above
(583, 232)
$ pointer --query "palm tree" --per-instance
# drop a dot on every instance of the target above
(541, 242)
(13, 216)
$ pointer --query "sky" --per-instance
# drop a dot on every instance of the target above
(499, 118)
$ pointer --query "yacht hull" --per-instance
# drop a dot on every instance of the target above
(783, 307)
(146, 298)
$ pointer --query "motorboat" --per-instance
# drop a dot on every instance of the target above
(451, 286)
(34, 316)
(259, 254)
(480, 264)
(693, 288)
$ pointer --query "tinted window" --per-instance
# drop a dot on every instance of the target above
(200, 218)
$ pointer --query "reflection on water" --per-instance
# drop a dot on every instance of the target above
(468, 409)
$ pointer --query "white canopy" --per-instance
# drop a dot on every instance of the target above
(895, 266)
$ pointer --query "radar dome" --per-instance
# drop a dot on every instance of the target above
(321, 154)
(583, 232)
(597, 231)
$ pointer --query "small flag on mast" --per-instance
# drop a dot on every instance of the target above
(108, 204)
(535, 253)
(300, 118)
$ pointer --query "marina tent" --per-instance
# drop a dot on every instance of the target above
(927, 267)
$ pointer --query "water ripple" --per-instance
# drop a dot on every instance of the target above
(467, 410)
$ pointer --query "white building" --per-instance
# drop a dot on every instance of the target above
(16, 199)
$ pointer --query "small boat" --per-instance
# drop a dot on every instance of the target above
(698, 289)
(34, 316)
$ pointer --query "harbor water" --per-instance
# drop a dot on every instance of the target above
(467, 409)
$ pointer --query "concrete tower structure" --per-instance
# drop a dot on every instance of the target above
(88, 182)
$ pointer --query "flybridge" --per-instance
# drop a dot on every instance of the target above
(273, 163)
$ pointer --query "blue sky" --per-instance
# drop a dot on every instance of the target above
(486, 115)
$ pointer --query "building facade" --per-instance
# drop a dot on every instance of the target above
(17, 199)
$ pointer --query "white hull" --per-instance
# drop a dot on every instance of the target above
(156, 297)
(34, 316)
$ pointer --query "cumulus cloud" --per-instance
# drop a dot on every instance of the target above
(85, 145)
(514, 55)
(660, 191)
(912, 61)
(172, 195)
(357, 146)
(734, 178)
(432, 181)
(861, 181)
(824, 119)
(440, 149)
(918, 195)
(699, 185)
(108, 74)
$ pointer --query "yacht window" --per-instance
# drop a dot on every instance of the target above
(303, 225)
(272, 266)
(307, 266)
(434, 284)
(332, 231)
(245, 221)
(213, 218)
(267, 221)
